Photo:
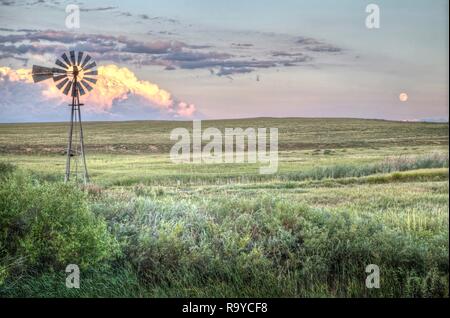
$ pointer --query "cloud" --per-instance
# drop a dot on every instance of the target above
(242, 45)
(116, 86)
(20, 75)
(233, 70)
(186, 110)
(287, 54)
(307, 41)
(17, 30)
(327, 48)
(314, 45)
(227, 64)
(156, 47)
(97, 9)
(190, 56)
(115, 83)
(170, 54)
(6, 3)
(95, 42)
(55, 36)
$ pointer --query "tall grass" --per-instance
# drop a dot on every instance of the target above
(317, 172)
(148, 242)
(266, 246)
(389, 164)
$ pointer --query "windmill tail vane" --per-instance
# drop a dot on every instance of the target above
(74, 74)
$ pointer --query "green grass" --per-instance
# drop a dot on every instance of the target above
(348, 193)
(153, 136)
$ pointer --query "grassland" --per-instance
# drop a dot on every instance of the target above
(348, 193)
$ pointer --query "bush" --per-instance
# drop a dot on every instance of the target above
(48, 226)
(269, 247)
(6, 169)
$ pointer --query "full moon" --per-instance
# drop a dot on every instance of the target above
(403, 97)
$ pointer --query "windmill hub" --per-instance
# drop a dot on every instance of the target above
(75, 71)
(74, 76)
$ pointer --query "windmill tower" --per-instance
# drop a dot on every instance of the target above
(72, 76)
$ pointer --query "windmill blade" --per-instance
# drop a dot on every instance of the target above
(80, 89)
(64, 57)
(89, 66)
(59, 77)
(67, 89)
(58, 70)
(41, 73)
(61, 84)
(59, 63)
(92, 73)
(86, 60)
(92, 80)
(86, 85)
(37, 69)
(41, 77)
(72, 57)
(80, 57)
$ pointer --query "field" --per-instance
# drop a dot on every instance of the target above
(348, 193)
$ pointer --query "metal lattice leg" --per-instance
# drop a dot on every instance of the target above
(69, 147)
(86, 175)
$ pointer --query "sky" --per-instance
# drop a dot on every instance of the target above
(211, 59)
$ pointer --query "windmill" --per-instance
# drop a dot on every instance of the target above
(73, 75)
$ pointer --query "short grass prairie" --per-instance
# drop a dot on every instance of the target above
(348, 193)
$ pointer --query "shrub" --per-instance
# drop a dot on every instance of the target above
(267, 246)
(48, 226)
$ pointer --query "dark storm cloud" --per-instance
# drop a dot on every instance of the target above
(97, 9)
(36, 2)
(6, 3)
(13, 56)
(307, 41)
(314, 45)
(224, 71)
(28, 48)
(327, 48)
(242, 45)
(29, 4)
(190, 56)
(144, 16)
(17, 30)
(54, 36)
(287, 54)
(227, 64)
(169, 54)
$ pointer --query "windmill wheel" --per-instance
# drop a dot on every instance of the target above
(75, 73)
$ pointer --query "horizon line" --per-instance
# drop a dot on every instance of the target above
(430, 121)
